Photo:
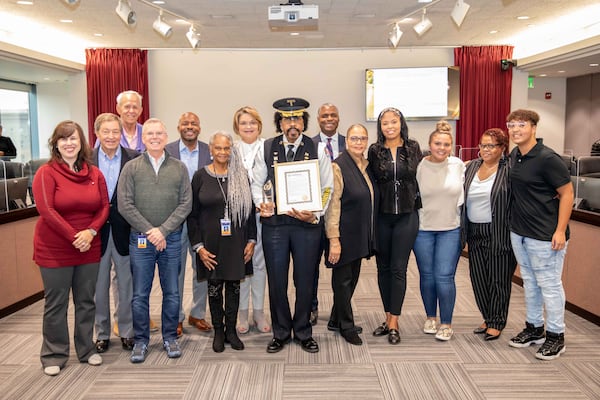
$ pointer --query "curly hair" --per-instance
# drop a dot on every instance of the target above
(524, 115)
(278, 117)
(499, 136)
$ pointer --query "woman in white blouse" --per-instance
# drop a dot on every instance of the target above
(248, 125)
(485, 227)
(437, 248)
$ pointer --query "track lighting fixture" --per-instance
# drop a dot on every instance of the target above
(71, 2)
(162, 27)
(193, 37)
(424, 25)
(125, 12)
(459, 12)
(395, 35)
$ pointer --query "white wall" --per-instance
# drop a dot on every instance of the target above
(53, 107)
(214, 84)
(552, 112)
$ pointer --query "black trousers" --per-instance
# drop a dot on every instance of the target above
(491, 275)
(218, 315)
(397, 234)
(302, 243)
(343, 280)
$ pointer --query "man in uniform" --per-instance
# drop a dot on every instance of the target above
(296, 233)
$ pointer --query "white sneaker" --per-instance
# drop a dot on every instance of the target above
(444, 333)
(430, 326)
(95, 359)
(52, 371)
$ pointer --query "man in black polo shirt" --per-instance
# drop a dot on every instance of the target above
(542, 199)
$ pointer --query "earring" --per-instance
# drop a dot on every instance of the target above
(479, 154)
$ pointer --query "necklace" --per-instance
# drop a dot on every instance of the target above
(224, 174)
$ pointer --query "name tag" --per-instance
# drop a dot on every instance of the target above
(225, 227)
(141, 241)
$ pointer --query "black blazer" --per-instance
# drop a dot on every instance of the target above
(500, 203)
(120, 227)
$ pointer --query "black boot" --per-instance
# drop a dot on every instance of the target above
(215, 303)
(232, 301)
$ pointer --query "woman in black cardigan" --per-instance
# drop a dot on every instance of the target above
(485, 227)
(393, 159)
(353, 204)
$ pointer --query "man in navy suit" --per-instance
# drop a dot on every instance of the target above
(328, 119)
(110, 157)
(195, 155)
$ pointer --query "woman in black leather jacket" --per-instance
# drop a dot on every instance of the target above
(393, 160)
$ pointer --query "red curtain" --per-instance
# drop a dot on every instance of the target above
(110, 72)
(485, 91)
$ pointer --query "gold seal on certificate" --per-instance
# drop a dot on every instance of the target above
(298, 186)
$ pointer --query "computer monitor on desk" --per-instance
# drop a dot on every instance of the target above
(588, 190)
(13, 193)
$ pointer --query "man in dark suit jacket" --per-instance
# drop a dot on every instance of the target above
(335, 143)
(110, 157)
(195, 155)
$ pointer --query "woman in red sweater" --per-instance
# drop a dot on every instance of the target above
(72, 200)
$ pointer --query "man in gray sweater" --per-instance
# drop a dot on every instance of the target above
(155, 197)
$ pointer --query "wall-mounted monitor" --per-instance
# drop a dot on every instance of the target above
(420, 93)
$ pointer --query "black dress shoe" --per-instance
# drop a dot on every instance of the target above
(309, 345)
(102, 345)
(314, 316)
(381, 330)
(127, 343)
(394, 336)
(335, 327)
(277, 345)
(351, 336)
(490, 336)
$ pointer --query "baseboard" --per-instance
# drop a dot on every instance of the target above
(13, 308)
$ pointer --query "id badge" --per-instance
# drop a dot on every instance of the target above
(225, 227)
(141, 241)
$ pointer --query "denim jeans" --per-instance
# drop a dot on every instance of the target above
(437, 254)
(143, 263)
(541, 270)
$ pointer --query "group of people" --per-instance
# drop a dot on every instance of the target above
(135, 202)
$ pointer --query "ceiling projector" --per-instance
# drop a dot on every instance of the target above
(293, 16)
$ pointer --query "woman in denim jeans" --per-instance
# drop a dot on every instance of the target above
(440, 177)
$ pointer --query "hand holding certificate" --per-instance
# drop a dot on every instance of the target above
(298, 187)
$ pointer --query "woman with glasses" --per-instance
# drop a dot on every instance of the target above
(485, 227)
(437, 247)
(222, 232)
(393, 160)
(247, 124)
(353, 203)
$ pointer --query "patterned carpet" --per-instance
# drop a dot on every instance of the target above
(420, 367)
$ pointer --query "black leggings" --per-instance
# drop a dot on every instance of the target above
(396, 235)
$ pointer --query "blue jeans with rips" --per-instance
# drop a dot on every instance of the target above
(437, 254)
(541, 270)
(143, 263)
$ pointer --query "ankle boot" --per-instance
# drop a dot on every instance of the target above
(232, 338)
(219, 340)
(243, 327)
(261, 322)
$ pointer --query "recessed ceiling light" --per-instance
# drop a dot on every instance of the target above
(493, 32)
(46, 78)
(98, 34)
(221, 16)
(364, 16)
(25, 3)
(66, 21)
(158, 2)
(543, 75)
(294, 33)
(594, 64)
(561, 71)
(523, 17)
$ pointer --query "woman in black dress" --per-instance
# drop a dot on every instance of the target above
(222, 230)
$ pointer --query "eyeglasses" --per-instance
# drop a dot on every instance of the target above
(511, 125)
(488, 146)
(358, 139)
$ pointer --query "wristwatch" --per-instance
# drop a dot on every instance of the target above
(92, 231)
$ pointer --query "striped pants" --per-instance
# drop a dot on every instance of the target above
(491, 275)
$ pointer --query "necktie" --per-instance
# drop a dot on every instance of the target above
(329, 148)
(289, 156)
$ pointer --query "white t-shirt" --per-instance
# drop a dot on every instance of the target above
(441, 188)
(479, 207)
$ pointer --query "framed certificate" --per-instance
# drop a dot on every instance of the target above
(297, 185)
